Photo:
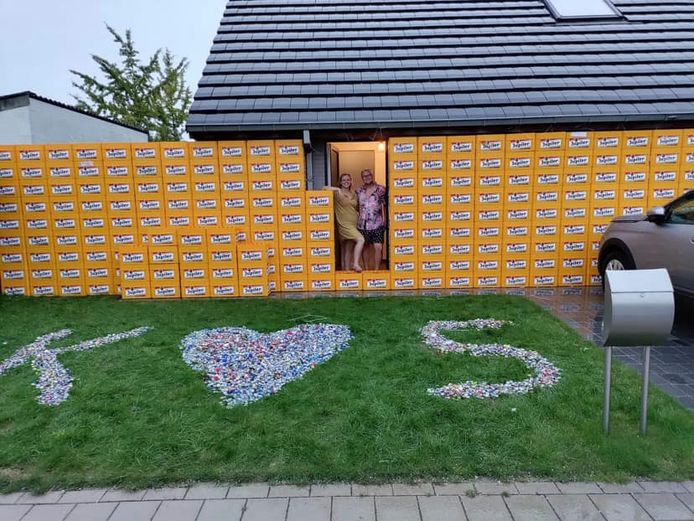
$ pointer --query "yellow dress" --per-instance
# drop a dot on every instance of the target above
(346, 215)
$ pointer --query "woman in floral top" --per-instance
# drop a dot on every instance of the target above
(372, 218)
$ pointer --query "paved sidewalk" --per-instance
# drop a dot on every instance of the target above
(480, 500)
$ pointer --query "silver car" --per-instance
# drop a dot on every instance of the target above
(664, 238)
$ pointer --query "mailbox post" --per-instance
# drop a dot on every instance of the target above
(639, 311)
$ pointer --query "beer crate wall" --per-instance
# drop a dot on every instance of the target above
(522, 209)
(67, 212)
(464, 211)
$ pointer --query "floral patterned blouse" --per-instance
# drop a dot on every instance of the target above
(370, 215)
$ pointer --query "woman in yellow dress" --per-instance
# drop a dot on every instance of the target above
(346, 215)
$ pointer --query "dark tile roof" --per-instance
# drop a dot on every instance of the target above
(332, 64)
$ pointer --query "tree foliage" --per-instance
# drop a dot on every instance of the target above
(150, 94)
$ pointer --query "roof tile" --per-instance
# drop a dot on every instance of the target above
(306, 63)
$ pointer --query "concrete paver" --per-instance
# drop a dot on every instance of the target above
(123, 495)
(92, 512)
(166, 493)
(401, 508)
(218, 509)
(486, 508)
(331, 490)
(662, 486)
(537, 487)
(454, 489)
(689, 485)
(354, 509)
(10, 499)
(289, 491)
(48, 512)
(49, 497)
(620, 507)
(440, 508)
(579, 488)
(93, 495)
(620, 488)
(480, 500)
(207, 491)
(178, 510)
(687, 499)
(309, 509)
(13, 512)
(419, 489)
(664, 507)
(372, 490)
(266, 509)
(134, 511)
(530, 508)
(495, 487)
(252, 490)
(574, 507)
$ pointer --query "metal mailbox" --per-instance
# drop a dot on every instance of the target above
(639, 308)
(639, 311)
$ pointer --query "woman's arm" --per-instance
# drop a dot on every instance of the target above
(331, 188)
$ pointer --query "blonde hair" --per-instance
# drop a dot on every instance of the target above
(351, 181)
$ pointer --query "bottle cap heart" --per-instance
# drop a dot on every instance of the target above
(245, 365)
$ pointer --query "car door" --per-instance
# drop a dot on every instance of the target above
(671, 244)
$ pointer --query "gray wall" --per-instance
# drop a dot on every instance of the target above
(15, 126)
(41, 123)
(320, 163)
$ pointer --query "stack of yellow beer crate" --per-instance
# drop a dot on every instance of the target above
(320, 246)
(170, 220)
(293, 253)
(519, 178)
(523, 209)
(275, 169)
(186, 262)
(254, 280)
(67, 212)
(460, 205)
(431, 212)
(14, 276)
(403, 212)
(687, 172)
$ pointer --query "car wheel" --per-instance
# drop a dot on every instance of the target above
(615, 260)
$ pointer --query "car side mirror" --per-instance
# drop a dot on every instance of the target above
(656, 215)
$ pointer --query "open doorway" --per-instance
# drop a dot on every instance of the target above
(353, 158)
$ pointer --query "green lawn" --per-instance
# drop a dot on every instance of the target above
(139, 416)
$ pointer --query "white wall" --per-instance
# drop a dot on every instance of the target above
(15, 126)
(51, 124)
(355, 156)
(41, 123)
(354, 162)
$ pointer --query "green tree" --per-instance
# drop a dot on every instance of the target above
(150, 94)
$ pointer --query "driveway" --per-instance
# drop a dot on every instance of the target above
(672, 366)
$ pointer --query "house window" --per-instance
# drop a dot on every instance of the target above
(569, 10)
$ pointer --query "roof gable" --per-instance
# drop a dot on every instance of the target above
(302, 64)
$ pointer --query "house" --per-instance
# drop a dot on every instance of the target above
(27, 118)
(333, 71)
